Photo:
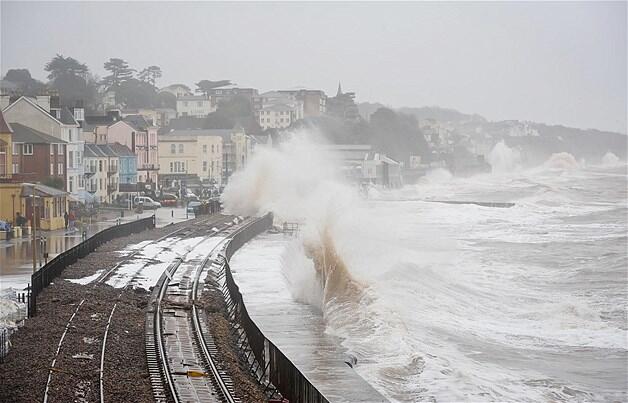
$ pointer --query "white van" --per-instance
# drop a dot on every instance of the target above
(147, 202)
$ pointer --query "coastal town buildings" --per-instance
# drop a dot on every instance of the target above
(194, 106)
(178, 90)
(37, 156)
(218, 95)
(314, 101)
(50, 204)
(141, 138)
(45, 115)
(277, 110)
(206, 155)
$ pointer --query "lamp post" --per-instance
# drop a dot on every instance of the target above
(13, 202)
(34, 229)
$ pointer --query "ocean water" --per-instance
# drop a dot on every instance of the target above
(457, 302)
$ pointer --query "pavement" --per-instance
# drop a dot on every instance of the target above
(16, 264)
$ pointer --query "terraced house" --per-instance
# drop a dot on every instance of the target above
(141, 138)
(45, 115)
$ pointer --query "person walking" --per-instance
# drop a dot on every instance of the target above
(71, 219)
(65, 218)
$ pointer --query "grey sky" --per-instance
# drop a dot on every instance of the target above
(548, 62)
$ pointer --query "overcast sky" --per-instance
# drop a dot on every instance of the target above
(549, 62)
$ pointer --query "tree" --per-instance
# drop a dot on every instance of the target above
(205, 86)
(24, 83)
(135, 94)
(61, 66)
(120, 72)
(72, 80)
(150, 74)
(397, 134)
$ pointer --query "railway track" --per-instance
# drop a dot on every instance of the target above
(90, 317)
(181, 353)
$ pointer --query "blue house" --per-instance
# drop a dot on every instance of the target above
(127, 164)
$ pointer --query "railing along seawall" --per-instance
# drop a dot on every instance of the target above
(44, 276)
(270, 366)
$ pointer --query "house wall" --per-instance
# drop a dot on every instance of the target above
(10, 201)
(184, 156)
(209, 157)
(29, 115)
(198, 107)
(37, 167)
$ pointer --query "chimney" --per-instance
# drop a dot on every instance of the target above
(79, 114)
(4, 101)
(44, 102)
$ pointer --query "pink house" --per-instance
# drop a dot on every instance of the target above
(134, 132)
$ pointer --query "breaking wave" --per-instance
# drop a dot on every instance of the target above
(561, 161)
(297, 183)
(504, 159)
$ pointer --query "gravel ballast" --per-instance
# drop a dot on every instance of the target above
(24, 372)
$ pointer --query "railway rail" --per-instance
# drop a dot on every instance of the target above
(181, 353)
(197, 227)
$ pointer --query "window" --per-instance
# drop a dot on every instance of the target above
(199, 103)
(79, 158)
(205, 166)
(28, 149)
(60, 169)
(52, 168)
(212, 148)
(100, 166)
(173, 148)
(16, 168)
(171, 166)
(70, 160)
(61, 149)
(180, 148)
(16, 149)
(71, 184)
(205, 148)
(52, 149)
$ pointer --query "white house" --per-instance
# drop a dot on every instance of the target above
(197, 106)
(178, 90)
(277, 110)
(102, 172)
(44, 114)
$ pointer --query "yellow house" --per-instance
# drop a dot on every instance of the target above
(51, 204)
(6, 154)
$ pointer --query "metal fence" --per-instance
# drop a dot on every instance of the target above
(269, 364)
(44, 276)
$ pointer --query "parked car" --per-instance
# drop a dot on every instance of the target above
(168, 199)
(147, 202)
(192, 206)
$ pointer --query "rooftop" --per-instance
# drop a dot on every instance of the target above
(4, 126)
(38, 189)
(25, 134)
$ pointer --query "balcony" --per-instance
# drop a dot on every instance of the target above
(90, 170)
(149, 167)
(91, 188)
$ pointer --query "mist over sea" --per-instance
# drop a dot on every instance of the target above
(462, 302)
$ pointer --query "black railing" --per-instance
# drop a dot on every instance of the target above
(44, 276)
(269, 365)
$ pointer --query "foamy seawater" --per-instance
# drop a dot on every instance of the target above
(463, 302)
